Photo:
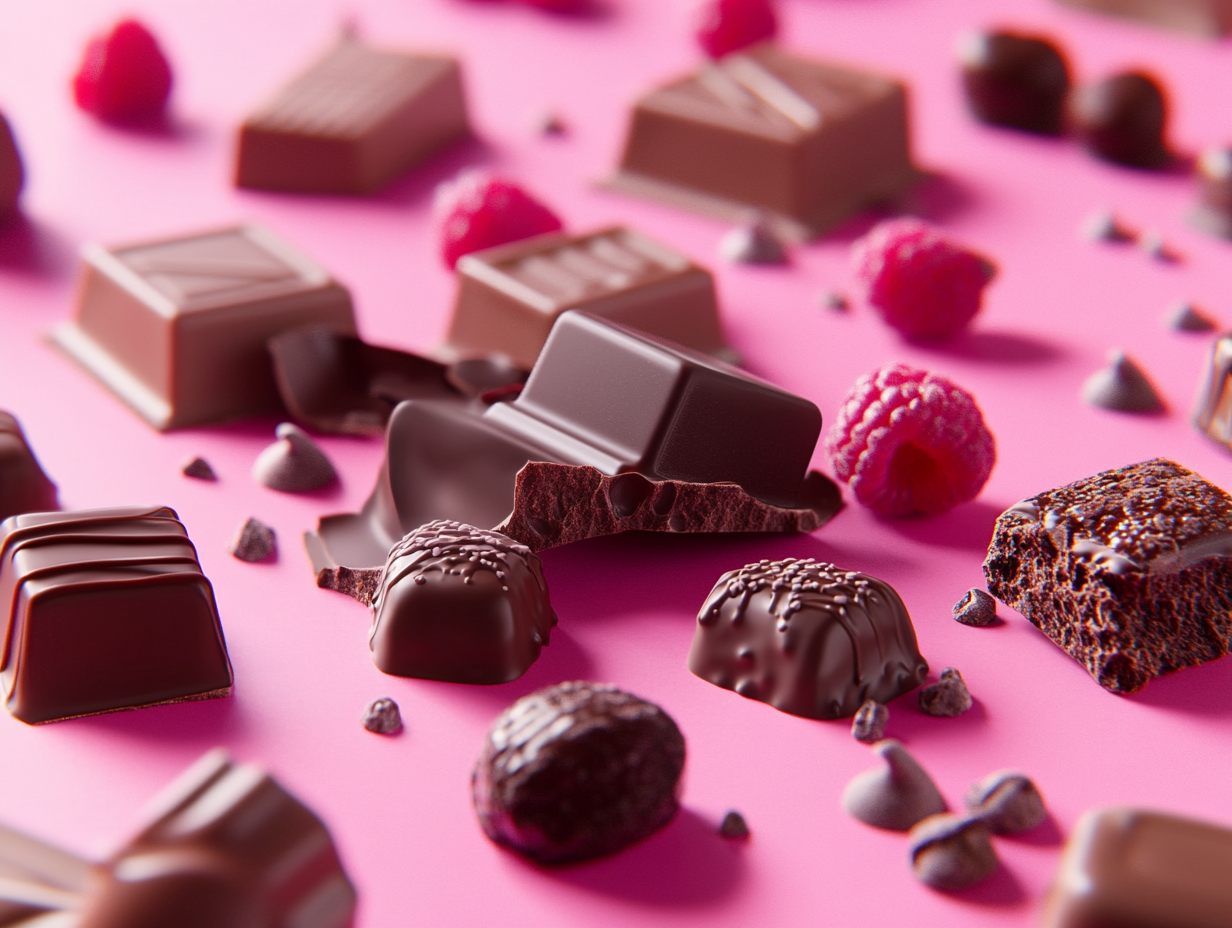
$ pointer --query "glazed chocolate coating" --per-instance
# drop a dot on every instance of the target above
(806, 637)
(1020, 81)
(578, 770)
(1143, 869)
(107, 610)
(1209, 18)
(1129, 571)
(12, 174)
(23, 485)
(1123, 119)
(460, 604)
(353, 122)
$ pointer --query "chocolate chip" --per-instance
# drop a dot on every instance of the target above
(894, 796)
(976, 609)
(947, 697)
(952, 851)
(255, 541)
(734, 825)
(833, 300)
(1007, 802)
(870, 722)
(294, 463)
(198, 468)
(1104, 226)
(383, 717)
(754, 243)
(1185, 317)
(1121, 386)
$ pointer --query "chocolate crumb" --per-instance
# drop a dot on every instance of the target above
(1153, 244)
(754, 243)
(254, 542)
(1122, 386)
(976, 609)
(734, 825)
(834, 301)
(1185, 317)
(551, 124)
(198, 468)
(869, 723)
(383, 717)
(947, 697)
(1104, 226)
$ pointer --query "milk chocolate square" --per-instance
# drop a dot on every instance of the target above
(509, 297)
(177, 328)
(809, 144)
(353, 122)
(1210, 18)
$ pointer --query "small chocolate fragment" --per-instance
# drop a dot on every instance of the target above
(1145, 869)
(1007, 802)
(1207, 18)
(895, 796)
(107, 609)
(1213, 212)
(832, 299)
(382, 717)
(23, 485)
(460, 604)
(733, 825)
(255, 541)
(947, 697)
(1121, 386)
(294, 463)
(1128, 570)
(1122, 119)
(1152, 244)
(976, 608)
(578, 770)
(1186, 317)
(1104, 226)
(806, 637)
(869, 723)
(952, 851)
(353, 122)
(753, 243)
(12, 174)
(1014, 80)
(198, 468)
(552, 124)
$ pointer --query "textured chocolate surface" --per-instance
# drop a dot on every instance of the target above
(578, 770)
(177, 328)
(23, 485)
(1214, 413)
(806, 637)
(107, 610)
(1128, 570)
(1143, 869)
(1122, 119)
(353, 122)
(1198, 17)
(12, 174)
(1019, 81)
(808, 143)
(460, 604)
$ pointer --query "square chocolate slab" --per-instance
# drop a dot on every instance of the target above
(177, 328)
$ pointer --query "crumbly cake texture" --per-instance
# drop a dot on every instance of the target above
(1128, 571)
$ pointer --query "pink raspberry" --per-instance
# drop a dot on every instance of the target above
(479, 211)
(908, 442)
(923, 285)
(124, 77)
(730, 25)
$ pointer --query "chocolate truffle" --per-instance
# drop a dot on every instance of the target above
(509, 297)
(12, 175)
(1128, 570)
(1019, 81)
(353, 122)
(460, 604)
(177, 328)
(107, 610)
(578, 770)
(1213, 212)
(1209, 18)
(806, 637)
(808, 143)
(1145, 869)
(1122, 119)
(1213, 417)
(23, 485)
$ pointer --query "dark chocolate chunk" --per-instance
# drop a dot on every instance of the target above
(1152, 243)
(1007, 802)
(23, 485)
(1104, 226)
(294, 463)
(1123, 119)
(1122, 386)
(107, 610)
(578, 770)
(1128, 570)
(198, 468)
(382, 717)
(1014, 80)
(806, 637)
(952, 851)
(895, 796)
(754, 243)
(833, 299)
(255, 541)
(947, 697)
(1208, 18)
(733, 825)
(1213, 212)
(1186, 317)
(460, 604)
(976, 608)
(12, 174)
(869, 722)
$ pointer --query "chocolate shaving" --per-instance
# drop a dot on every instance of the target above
(360, 584)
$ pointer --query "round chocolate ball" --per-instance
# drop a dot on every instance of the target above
(1122, 119)
(1020, 81)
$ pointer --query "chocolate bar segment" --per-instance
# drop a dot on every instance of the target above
(1209, 18)
(509, 297)
(23, 485)
(177, 328)
(107, 610)
(353, 122)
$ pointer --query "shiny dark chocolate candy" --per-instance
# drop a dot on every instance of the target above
(1020, 81)
(23, 485)
(1123, 119)
(578, 770)
(806, 637)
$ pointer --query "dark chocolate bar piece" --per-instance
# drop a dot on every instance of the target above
(806, 637)
(23, 485)
(353, 122)
(177, 328)
(107, 610)
(810, 144)
(509, 297)
(1210, 18)
(1130, 571)
(12, 174)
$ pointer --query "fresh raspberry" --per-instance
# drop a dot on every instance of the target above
(124, 76)
(730, 25)
(479, 211)
(908, 442)
(923, 285)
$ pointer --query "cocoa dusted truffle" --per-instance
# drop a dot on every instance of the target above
(460, 604)
(1129, 571)
(1122, 119)
(1019, 81)
(23, 485)
(578, 770)
(807, 637)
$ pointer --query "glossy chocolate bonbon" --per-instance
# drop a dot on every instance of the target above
(177, 328)
(1208, 18)
(12, 174)
(107, 610)
(1014, 80)
(460, 604)
(806, 637)
(1122, 119)
(353, 122)
(23, 485)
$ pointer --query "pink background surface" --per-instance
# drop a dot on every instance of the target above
(400, 808)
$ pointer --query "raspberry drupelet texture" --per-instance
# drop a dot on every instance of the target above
(479, 210)
(910, 442)
(727, 26)
(922, 284)
(124, 76)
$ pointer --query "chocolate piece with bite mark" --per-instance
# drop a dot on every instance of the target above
(1019, 81)
(12, 174)
(1123, 119)
(946, 698)
(255, 541)
(1207, 18)
(23, 485)
(1129, 571)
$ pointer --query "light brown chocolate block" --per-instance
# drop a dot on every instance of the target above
(177, 328)
(808, 144)
(1211, 18)
(510, 296)
(353, 122)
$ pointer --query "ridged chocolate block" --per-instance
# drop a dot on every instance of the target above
(12, 175)
(1129, 571)
(107, 610)
(177, 328)
(23, 485)
(1209, 18)
(509, 297)
(353, 122)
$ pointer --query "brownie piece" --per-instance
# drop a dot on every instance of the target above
(1128, 571)
(23, 485)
